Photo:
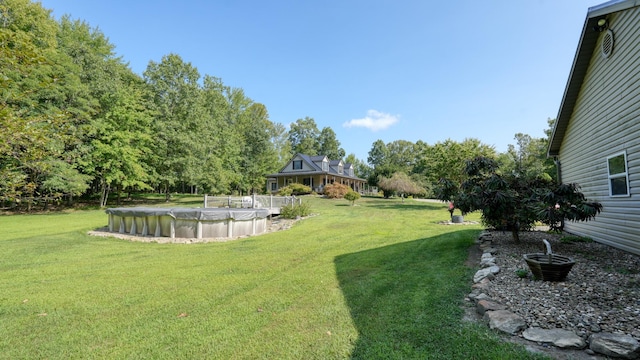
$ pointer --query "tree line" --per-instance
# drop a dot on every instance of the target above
(405, 168)
(75, 121)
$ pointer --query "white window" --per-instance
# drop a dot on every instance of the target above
(340, 169)
(325, 166)
(618, 175)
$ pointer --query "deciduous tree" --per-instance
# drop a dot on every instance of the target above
(329, 145)
(303, 136)
(514, 202)
(400, 183)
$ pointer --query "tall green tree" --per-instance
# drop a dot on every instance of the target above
(379, 154)
(361, 169)
(329, 145)
(529, 155)
(111, 126)
(36, 81)
(303, 136)
(380, 160)
(402, 154)
(238, 116)
(259, 155)
(222, 141)
(122, 146)
(447, 159)
(280, 140)
(177, 101)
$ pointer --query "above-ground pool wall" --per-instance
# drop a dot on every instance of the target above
(135, 222)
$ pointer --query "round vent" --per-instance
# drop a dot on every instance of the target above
(607, 44)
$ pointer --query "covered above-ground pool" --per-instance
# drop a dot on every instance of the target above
(188, 223)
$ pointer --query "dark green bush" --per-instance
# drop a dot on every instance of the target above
(352, 196)
(294, 189)
(293, 211)
(575, 239)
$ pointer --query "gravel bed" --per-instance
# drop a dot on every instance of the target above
(600, 294)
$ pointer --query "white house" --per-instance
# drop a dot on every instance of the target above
(315, 172)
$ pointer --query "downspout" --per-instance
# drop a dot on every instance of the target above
(556, 160)
(558, 169)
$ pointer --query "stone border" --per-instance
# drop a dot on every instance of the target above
(498, 317)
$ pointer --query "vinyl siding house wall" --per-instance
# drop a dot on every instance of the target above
(596, 139)
(315, 172)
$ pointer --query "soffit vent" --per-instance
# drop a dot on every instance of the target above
(607, 44)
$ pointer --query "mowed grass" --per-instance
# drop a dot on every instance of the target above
(380, 280)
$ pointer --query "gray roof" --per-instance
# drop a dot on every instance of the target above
(581, 61)
(311, 160)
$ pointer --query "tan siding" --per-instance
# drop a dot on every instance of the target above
(606, 121)
(289, 167)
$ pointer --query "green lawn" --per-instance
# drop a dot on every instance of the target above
(379, 280)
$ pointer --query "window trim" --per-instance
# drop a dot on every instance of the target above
(624, 174)
(293, 166)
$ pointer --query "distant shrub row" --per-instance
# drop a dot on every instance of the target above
(294, 189)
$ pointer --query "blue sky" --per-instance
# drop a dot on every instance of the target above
(369, 69)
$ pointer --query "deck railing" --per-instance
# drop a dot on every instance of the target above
(251, 202)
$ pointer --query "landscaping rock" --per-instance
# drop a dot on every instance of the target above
(487, 260)
(482, 284)
(615, 345)
(600, 296)
(488, 272)
(478, 296)
(487, 305)
(485, 236)
(564, 339)
(490, 250)
(505, 321)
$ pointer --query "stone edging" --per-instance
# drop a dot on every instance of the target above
(498, 317)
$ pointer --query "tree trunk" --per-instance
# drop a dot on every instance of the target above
(167, 195)
(104, 194)
(516, 235)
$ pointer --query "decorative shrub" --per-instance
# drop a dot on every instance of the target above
(294, 189)
(336, 191)
(293, 211)
(514, 202)
(352, 196)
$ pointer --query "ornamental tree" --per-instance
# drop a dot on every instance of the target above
(514, 202)
(352, 196)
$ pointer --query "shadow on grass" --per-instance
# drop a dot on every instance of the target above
(405, 301)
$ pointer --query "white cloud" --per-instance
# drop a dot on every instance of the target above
(374, 121)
